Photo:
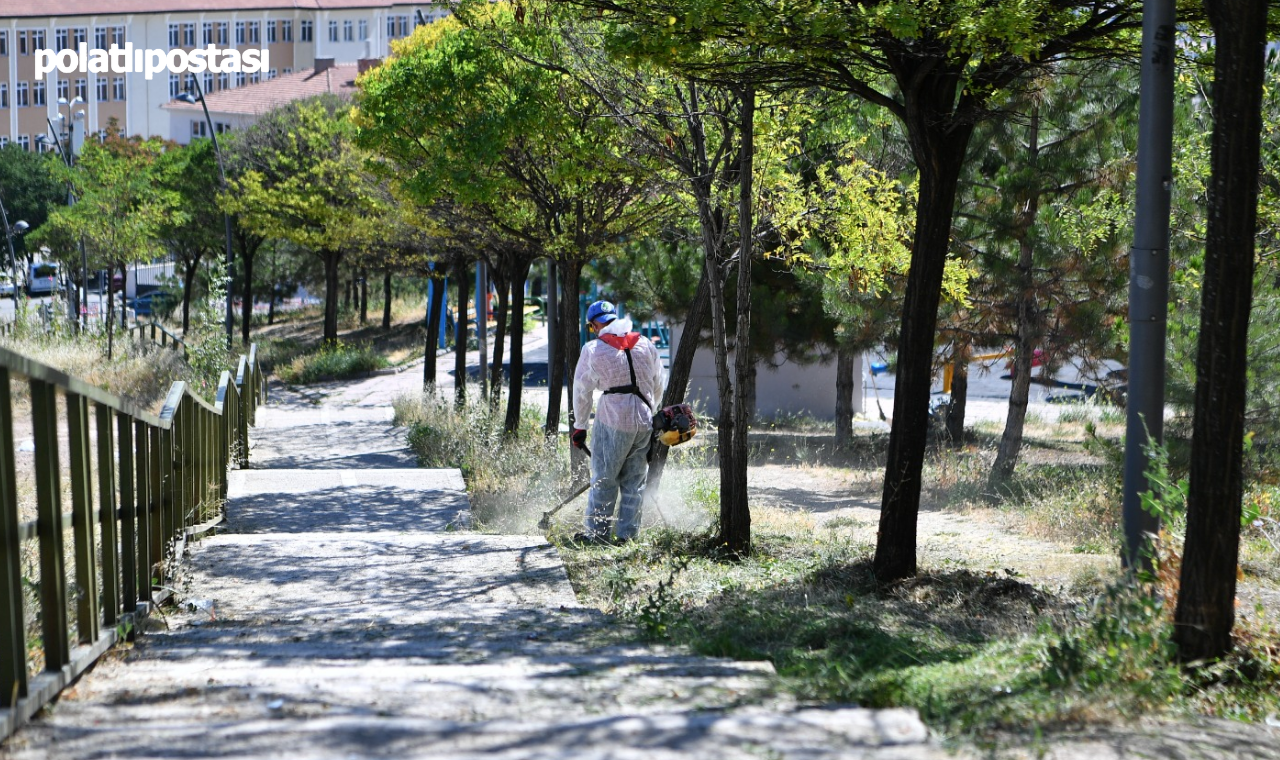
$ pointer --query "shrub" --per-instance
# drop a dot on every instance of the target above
(333, 361)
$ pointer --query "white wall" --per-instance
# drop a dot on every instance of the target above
(788, 389)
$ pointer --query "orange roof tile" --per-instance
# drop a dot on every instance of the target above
(255, 99)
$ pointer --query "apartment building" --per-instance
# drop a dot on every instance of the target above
(296, 32)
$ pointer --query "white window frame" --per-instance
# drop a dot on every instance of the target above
(21, 95)
(206, 32)
(175, 85)
(306, 31)
(199, 129)
(117, 88)
(39, 95)
(239, 32)
(62, 39)
(189, 34)
(4, 42)
(101, 38)
(333, 31)
(175, 36)
(271, 31)
(286, 30)
(364, 29)
(64, 88)
(4, 94)
(255, 32)
(103, 90)
(348, 31)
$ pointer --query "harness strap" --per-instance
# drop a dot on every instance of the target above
(634, 387)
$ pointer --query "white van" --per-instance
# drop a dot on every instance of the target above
(44, 279)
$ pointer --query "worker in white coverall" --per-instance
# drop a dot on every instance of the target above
(624, 420)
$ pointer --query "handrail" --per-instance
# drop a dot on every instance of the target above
(172, 477)
(165, 338)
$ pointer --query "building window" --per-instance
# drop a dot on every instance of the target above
(62, 39)
(37, 39)
(305, 30)
(224, 33)
(404, 25)
(348, 31)
(82, 90)
(24, 141)
(207, 32)
(221, 127)
(255, 32)
(271, 74)
(64, 89)
(286, 31)
(254, 78)
(241, 78)
(174, 39)
(100, 37)
(4, 95)
(189, 35)
(199, 129)
(77, 36)
(391, 26)
(117, 36)
(239, 32)
(175, 86)
(38, 94)
(21, 95)
(208, 81)
(224, 81)
(287, 71)
(4, 140)
(117, 88)
(333, 31)
(364, 29)
(4, 42)
(103, 90)
(271, 32)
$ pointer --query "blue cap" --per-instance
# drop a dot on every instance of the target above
(601, 311)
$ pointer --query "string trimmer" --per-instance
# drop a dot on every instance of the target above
(545, 522)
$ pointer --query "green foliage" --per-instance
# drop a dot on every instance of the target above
(206, 340)
(30, 189)
(334, 360)
(120, 206)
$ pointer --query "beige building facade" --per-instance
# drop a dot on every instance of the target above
(295, 32)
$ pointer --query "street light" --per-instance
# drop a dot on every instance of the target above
(187, 97)
(68, 153)
(18, 228)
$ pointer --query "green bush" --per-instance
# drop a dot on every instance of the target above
(333, 361)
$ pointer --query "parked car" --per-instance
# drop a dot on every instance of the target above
(6, 285)
(158, 302)
(44, 279)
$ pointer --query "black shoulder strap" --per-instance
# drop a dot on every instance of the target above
(634, 388)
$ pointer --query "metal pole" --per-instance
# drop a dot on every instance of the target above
(1149, 271)
(8, 238)
(226, 218)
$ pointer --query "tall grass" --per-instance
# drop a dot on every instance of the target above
(511, 479)
(331, 361)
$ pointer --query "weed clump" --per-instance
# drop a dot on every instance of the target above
(332, 361)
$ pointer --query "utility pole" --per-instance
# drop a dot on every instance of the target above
(1149, 272)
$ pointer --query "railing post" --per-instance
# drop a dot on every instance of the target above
(84, 545)
(53, 579)
(155, 517)
(13, 629)
(128, 517)
(107, 516)
(143, 510)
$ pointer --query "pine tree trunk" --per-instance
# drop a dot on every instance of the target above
(1028, 333)
(959, 397)
(678, 373)
(1205, 612)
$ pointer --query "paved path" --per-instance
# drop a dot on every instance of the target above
(338, 616)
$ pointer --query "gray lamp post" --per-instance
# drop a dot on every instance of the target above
(18, 228)
(187, 97)
(68, 153)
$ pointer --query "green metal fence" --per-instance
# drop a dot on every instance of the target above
(158, 334)
(160, 482)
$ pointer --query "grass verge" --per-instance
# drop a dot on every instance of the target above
(330, 361)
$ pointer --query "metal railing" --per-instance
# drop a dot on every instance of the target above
(160, 482)
(159, 335)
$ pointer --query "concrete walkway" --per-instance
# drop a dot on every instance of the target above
(338, 616)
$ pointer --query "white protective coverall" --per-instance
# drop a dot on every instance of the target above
(623, 427)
